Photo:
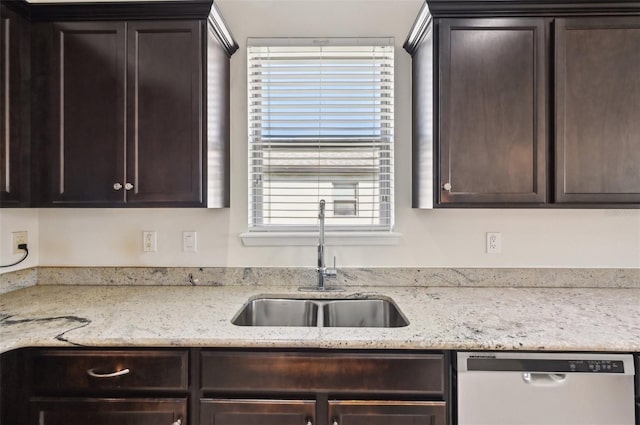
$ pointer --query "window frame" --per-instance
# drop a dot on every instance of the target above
(386, 194)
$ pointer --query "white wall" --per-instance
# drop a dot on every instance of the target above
(436, 238)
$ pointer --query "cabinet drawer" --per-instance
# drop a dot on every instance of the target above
(387, 412)
(332, 372)
(263, 412)
(108, 411)
(55, 371)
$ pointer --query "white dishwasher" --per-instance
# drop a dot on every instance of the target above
(502, 388)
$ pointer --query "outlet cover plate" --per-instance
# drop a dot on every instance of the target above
(19, 238)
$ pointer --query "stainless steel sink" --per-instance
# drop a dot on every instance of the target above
(277, 312)
(376, 313)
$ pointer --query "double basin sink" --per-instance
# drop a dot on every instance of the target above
(375, 313)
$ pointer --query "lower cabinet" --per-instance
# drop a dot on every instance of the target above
(387, 412)
(340, 412)
(104, 387)
(257, 412)
(324, 387)
(70, 411)
(45, 386)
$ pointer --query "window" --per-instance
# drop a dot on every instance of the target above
(320, 127)
(345, 199)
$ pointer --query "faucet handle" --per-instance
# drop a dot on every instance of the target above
(331, 272)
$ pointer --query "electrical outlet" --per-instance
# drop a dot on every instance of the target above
(494, 243)
(19, 238)
(189, 242)
(149, 241)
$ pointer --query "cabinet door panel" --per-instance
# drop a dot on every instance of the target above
(14, 109)
(337, 372)
(387, 412)
(598, 110)
(164, 156)
(256, 412)
(89, 70)
(492, 111)
(108, 412)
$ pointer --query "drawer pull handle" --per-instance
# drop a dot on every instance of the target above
(178, 422)
(309, 421)
(94, 374)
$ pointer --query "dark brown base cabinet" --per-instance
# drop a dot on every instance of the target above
(335, 388)
(387, 412)
(108, 412)
(299, 412)
(224, 387)
(529, 105)
(257, 412)
(103, 387)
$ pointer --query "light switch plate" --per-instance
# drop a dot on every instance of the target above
(189, 241)
(149, 241)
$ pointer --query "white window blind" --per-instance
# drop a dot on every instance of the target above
(320, 118)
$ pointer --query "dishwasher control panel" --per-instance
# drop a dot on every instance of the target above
(545, 365)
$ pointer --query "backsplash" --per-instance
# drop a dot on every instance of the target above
(264, 276)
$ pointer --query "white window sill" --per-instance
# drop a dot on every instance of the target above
(311, 238)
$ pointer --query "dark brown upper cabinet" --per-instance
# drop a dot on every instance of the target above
(126, 108)
(597, 111)
(492, 111)
(14, 109)
(537, 106)
(129, 104)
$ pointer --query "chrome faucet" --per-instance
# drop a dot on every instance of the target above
(323, 271)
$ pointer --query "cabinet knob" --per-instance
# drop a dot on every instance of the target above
(309, 421)
(334, 422)
(447, 186)
(117, 186)
(178, 422)
(128, 186)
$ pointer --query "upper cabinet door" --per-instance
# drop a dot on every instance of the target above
(492, 143)
(164, 113)
(88, 71)
(598, 110)
(14, 109)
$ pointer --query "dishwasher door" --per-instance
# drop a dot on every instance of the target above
(545, 389)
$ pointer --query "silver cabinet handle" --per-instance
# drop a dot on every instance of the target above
(447, 186)
(128, 186)
(335, 422)
(309, 421)
(94, 374)
(178, 422)
(117, 186)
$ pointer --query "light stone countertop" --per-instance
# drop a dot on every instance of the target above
(465, 318)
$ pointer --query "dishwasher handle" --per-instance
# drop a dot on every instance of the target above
(546, 379)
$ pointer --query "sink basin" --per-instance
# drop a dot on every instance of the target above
(358, 313)
(277, 312)
(375, 313)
